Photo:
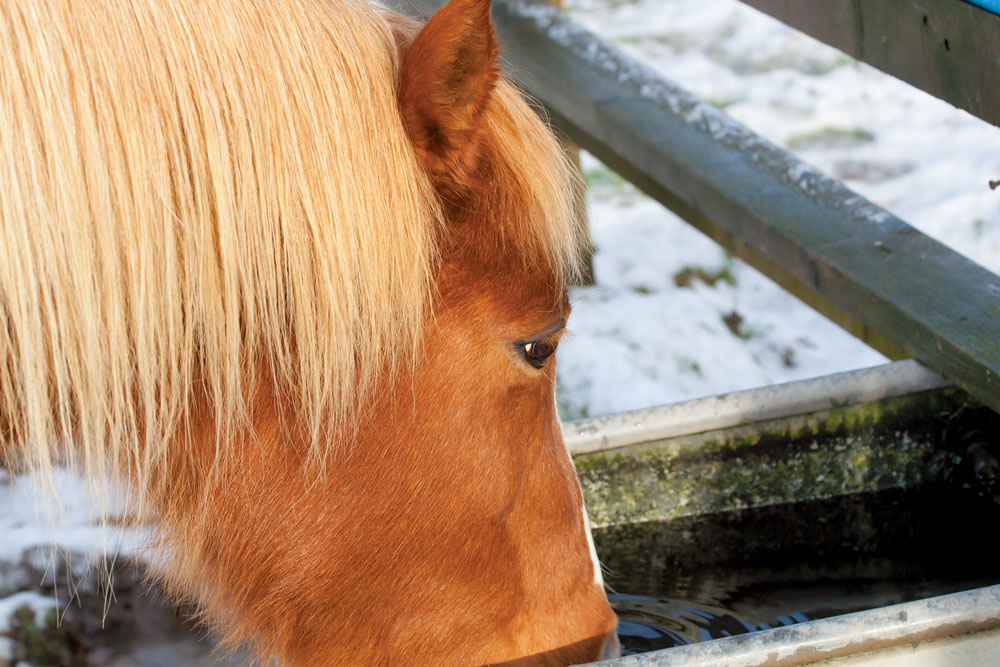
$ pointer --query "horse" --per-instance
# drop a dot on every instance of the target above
(292, 273)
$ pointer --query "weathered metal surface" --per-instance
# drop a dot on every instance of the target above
(920, 625)
(749, 406)
(948, 48)
(808, 231)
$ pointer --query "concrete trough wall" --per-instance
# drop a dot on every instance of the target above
(893, 426)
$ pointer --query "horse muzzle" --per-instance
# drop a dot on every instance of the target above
(612, 647)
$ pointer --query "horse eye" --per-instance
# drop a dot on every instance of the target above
(538, 352)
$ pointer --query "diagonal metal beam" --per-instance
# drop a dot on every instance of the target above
(948, 48)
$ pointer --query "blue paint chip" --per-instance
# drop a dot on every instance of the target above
(988, 5)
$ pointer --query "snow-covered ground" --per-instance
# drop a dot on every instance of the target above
(26, 524)
(672, 316)
(652, 331)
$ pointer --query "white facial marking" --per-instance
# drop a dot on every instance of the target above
(598, 577)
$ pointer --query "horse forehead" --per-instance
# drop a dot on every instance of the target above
(521, 299)
(488, 272)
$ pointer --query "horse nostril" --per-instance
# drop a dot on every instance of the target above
(612, 647)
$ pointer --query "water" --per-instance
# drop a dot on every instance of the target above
(647, 623)
(719, 575)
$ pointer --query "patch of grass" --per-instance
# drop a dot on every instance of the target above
(674, 41)
(870, 171)
(688, 365)
(721, 103)
(606, 184)
(738, 327)
(746, 64)
(566, 408)
(979, 228)
(830, 137)
(686, 276)
(568, 412)
(45, 642)
(602, 177)
(733, 322)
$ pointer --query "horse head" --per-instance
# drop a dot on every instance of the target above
(296, 272)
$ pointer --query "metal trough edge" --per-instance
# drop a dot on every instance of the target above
(850, 634)
(749, 406)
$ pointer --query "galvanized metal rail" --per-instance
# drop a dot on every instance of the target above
(750, 406)
(956, 629)
(948, 48)
(852, 261)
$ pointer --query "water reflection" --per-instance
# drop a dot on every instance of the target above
(649, 623)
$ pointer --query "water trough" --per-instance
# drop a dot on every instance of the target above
(867, 492)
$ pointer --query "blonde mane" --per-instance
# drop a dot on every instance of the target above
(191, 190)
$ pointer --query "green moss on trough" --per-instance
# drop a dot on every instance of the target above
(893, 443)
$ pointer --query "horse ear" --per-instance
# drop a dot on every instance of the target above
(448, 75)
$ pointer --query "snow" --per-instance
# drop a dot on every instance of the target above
(69, 538)
(27, 524)
(639, 339)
